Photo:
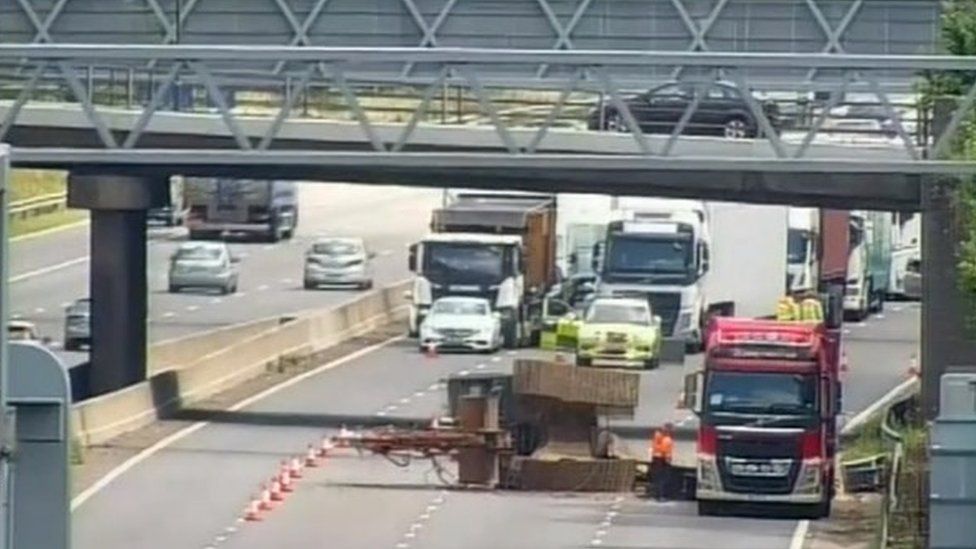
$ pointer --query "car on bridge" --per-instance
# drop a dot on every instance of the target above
(462, 323)
(77, 325)
(722, 110)
(620, 332)
(204, 265)
(338, 262)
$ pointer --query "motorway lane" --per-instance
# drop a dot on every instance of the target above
(202, 482)
(389, 218)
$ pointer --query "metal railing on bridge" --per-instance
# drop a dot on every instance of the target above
(640, 125)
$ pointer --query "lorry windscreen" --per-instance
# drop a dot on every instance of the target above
(462, 263)
(796, 246)
(761, 393)
(642, 255)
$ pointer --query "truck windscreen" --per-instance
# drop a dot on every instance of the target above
(796, 246)
(462, 263)
(761, 393)
(670, 256)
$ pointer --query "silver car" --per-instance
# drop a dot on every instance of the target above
(203, 265)
(338, 262)
(77, 325)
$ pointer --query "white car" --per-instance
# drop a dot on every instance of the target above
(464, 323)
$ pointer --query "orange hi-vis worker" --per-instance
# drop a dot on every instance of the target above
(662, 445)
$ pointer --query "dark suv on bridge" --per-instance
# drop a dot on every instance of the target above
(722, 111)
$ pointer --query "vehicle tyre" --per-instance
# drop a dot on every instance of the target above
(71, 345)
(233, 288)
(615, 123)
(174, 289)
(709, 508)
(584, 361)
(368, 285)
(510, 333)
(652, 363)
(736, 127)
(309, 285)
(224, 290)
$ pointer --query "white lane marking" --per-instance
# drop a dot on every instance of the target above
(897, 308)
(240, 295)
(263, 287)
(216, 301)
(434, 386)
(405, 400)
(66, 304)
(847, 331)
(419, 393)
(39, 310)
(128, 464)
(800, 534)
(192, 308)
(391, 407)
(49, 269)
(385, 253)
(480, 367)
(169, 314)
(402, 545)
(464, 373)
(860, 324)
(287, 281)
(511, 353)
(496, 359)
(381, 413)
(879, 316)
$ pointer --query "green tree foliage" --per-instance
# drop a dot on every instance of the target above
(958, 34)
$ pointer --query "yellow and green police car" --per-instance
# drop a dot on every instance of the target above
(621, 332)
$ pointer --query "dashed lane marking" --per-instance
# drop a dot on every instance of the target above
(192, 308)
(800, 534)
(169, 314)
(263, 287)
(216, 301)
(39, 310)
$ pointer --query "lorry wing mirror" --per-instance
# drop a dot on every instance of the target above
(412, 258)
(691, 399)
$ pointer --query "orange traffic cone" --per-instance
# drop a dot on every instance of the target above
(296, 468)
(276, 492)
(252, 513)
(284, 479)
(265, 503)
(311, 458)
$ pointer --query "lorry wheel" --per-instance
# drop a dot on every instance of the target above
(510, 335)
(173, 289)
(709, 508)
(71, 345)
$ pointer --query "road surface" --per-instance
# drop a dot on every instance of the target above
(51, 271)
(191, 494)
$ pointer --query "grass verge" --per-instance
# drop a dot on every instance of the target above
(25, 226)
(31, 183)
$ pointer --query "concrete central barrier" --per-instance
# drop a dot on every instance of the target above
(190, 369)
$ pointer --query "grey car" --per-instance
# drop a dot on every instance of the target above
(338, 262)
(77, 325)
(207, 265)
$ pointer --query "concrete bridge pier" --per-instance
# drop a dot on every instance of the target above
(117, 279)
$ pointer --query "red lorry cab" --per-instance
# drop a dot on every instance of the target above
(767, 415)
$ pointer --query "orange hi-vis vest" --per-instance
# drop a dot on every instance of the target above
(662, 446)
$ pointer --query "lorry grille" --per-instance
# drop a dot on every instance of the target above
(439, 291)
(758, 452)
(666, 305)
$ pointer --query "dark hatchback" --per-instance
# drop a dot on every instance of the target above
(721, 111)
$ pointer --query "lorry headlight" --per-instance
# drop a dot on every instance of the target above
(708, 474)
(808, 482)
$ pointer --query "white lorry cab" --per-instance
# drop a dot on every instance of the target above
(803, 234)
(693, 258)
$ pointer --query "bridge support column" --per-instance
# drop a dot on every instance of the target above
(117, 282)
(946, 342)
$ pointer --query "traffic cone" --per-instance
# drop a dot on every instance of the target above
(276, 492)
(311, 458)
(252, 513)
(284, 478)
(265, 503)
(296, 468)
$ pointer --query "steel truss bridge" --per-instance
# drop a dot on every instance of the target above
(888, 27)
(279, 143)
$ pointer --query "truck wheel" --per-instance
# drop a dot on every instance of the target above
(174, 289)
(709, 508)
(510, 334)
(71, 345)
